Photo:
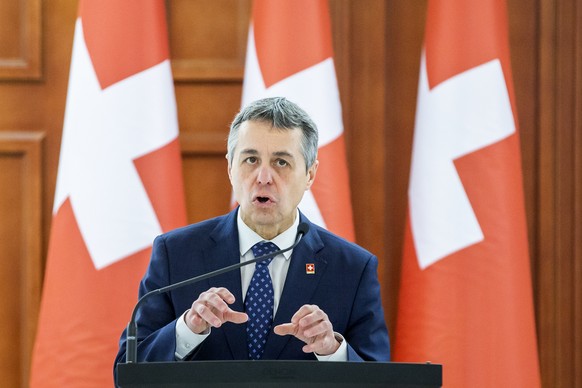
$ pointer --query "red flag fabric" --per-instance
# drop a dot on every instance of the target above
(290, 54)
(465, 296)
(119, 185)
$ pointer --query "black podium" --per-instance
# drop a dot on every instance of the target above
(278, 374)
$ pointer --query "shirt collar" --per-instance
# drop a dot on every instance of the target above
(248, 237)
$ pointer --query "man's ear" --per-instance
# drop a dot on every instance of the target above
(228, 168)
(311, 172)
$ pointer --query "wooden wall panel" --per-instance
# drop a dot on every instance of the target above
(208, 39)
(559, 246)
(404, 38)
(205, 175)
(205, 179)
(341, 28)
(365, 125)
(208, 45)
(207, 108)
(20, 250)
(20, 39)
(523, 24)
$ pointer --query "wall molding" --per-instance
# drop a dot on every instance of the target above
(26, 65)
(24, 149)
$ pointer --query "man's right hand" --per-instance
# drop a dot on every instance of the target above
(211, 309)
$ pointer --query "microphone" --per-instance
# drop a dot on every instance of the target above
(131, 335)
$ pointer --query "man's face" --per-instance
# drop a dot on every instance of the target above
(268, 176)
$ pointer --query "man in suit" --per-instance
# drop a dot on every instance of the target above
(321, 300)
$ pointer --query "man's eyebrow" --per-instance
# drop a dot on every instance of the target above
(249, 151)
(284, 154)
(252, 151)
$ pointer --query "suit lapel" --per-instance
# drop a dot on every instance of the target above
(299, 288)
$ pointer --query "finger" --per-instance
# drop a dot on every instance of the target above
(224, 294)
(217, 299)
(301, 313)
(224, 312)
(323, 327)
(207, 314)
(315, 315)
(235, 317)
(315, 347)
(323, 345)
(209, 309)
(317, 342)
(285, 329)
(203, 316)
(196, 320)
(310, 348)
(314, 344)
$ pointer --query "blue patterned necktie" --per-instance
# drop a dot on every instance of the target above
(259, 302)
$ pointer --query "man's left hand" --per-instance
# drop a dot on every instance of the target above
(312, 326)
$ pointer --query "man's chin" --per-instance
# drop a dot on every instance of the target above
(264, 220)
(259, 217)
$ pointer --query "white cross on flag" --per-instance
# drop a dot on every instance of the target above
(119, 185)
(290, 54)
(465, 297)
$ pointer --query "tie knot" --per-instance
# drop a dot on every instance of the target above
(264, 248)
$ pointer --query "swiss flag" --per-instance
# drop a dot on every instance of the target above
(290, 54)
(119, 185)
(465, 295)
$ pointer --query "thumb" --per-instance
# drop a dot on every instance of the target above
(285, 329)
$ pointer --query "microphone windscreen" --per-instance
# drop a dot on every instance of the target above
(303, 228)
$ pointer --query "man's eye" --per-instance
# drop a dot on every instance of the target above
(251, 160)
(281, 163)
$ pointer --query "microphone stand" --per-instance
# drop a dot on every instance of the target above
(131, 350)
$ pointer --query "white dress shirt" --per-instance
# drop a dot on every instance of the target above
(186, 340)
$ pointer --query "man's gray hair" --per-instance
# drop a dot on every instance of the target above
(282, 114)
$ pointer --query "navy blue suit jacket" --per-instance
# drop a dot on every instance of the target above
(345, 286)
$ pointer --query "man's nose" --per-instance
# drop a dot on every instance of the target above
(265, 175)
